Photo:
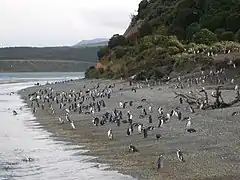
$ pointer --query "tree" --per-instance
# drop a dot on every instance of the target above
(191, 30)
(227, 36)
(117, 40)
(185, 17)
(102, 52)
(120, 51)
(233, 22)
(204, 36)
(145, 29)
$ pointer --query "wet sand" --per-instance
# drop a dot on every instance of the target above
(213, 152)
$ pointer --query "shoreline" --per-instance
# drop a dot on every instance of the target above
(142, 165)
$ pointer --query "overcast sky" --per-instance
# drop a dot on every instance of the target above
(62, 22)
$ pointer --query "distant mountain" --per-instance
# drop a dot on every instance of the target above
(92, 42)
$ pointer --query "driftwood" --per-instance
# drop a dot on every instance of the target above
(202, 101)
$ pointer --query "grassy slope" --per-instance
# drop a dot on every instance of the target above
(170, 33)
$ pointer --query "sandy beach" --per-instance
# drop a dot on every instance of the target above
(212, 152)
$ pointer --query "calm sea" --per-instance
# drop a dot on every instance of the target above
(21, 137)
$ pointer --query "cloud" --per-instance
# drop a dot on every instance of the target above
(61, 22)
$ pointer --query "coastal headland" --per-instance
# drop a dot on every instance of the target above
(212, 152)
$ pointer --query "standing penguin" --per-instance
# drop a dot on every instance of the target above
(110, 134)
(160, 162)
(180, 155)
(140, 128)
(188, 125)
(144, 132)
(150, 109)
(150, 118)
(180, 100)
(73, 125)
(160, 123)
(128, 132)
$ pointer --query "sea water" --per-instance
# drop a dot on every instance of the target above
(21, 138)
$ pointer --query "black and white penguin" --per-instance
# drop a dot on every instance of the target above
(73, 125)
(180, 155)
(130, 103)
(150, 118)
(132, 148)
(158, 136)
(140, 128)
(160, 123)
(15, 113)
(180, 100)
(60, 120)
(145, 132)
(160, 162)
(191, 130)
(128, 132)
(191, 109)
(96, 121)
(110, 134)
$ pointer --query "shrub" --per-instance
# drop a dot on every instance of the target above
(120, 51)
(102, 52)
(92, 72)
(191, 30)
(145, 29)
(237, 36)
(173, 50)
(227, 36)
(204, 36)
(219, 31)
(178, 31)
(117, 40)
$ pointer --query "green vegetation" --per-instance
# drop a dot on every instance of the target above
(50, 53)
(174, 36)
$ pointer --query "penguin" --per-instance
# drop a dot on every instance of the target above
(160, 123)
(121, 104)
(150, 109)
(110, 134)
(188, 125)
(236, 113)
(96, 121)
(144, 112)
(180, 155)
(133, 148)
(160, 162)
(128, 132)
(160, 110)
(179, 115)
(191, 130)
(158, 136)
(191, 109)
(150, 118)
(60, 120)
(144, 132)
(180, 100)
(73, 125)
(130, 103)
(15, 113)
(140, 128)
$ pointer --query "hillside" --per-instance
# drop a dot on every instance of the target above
(172, 36)
(50, 53)
(92, 42)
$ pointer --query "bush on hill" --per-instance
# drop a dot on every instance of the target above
(175, 35)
